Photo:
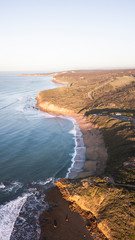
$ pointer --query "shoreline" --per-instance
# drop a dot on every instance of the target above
(94, 164)
(78, 158)
(95, 194)
(96, 153)
(60, 82)
(63, 217)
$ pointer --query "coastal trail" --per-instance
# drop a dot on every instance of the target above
(101, 86)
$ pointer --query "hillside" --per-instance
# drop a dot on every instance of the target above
(107, 99)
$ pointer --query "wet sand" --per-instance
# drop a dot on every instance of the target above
(96, 153)
(65, 220)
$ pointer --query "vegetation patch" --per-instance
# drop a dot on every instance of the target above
(107, 99)
(112, 206)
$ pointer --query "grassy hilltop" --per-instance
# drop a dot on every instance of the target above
(106, 98)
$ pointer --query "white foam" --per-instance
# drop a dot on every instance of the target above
(49, 180)
(2, 186)
(13, 186)
(20, 98)
(47, 115)
(73, 132)
(79, 150)
(8, 214)
(27, 225)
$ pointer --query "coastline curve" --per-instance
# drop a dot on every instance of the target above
(95, 154)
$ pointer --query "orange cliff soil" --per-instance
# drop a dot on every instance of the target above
(96, 153)
(65, 220)
(84, 199)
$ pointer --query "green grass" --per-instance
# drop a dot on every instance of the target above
(111, 205)
(118, 136)
(117, 207)
(119, 139)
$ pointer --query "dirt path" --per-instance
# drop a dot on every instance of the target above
(111, 180)
(90, 93)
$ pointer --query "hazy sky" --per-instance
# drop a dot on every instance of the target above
(51, 35)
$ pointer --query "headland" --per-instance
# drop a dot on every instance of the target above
(103, 104)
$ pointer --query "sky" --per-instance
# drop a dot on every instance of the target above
(56, 35)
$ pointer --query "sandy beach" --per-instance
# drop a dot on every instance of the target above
(94, 164)
(87, 94)
(96, 153)
(64, 219)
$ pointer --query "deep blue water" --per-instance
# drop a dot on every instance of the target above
(34, 145)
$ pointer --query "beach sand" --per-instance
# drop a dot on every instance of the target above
(65, 220)
(96, 153)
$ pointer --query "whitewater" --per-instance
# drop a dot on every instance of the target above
(35, 149)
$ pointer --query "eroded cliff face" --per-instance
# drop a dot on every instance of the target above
(96, 153)
(113, 207)
(64, 219)
(84, 205)
(108, 204)
(49, 107)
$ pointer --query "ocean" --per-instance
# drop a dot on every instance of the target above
(36, 148)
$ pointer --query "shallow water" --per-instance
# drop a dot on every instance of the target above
(34, 145)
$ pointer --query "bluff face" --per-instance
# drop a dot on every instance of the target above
(107, 100)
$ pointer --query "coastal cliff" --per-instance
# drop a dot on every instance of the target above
(96, 153)
(105, 187)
